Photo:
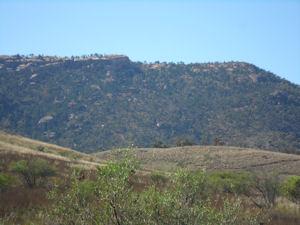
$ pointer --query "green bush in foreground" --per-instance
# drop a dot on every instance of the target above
(291, 188)
(111, 199)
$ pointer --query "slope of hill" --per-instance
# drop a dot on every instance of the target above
(24, 191)
(14, 147)
(101, 102)
(212, 158)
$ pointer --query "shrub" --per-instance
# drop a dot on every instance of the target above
(34, 172)
(291, 188)
(77, 206)
(187, 201)
(159, 144)
(184, 142)
(267, 186)
(114, 190)
(41, 148)
(158, 179)
(231, 182)
(218, 142)
(106, 200)
(111, 199)
(261, 189)
(5, 181)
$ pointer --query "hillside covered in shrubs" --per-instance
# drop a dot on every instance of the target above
(99, 102)
(42, 183)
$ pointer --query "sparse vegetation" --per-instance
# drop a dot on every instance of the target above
(214, 158)
(130, 193)
(33, 172)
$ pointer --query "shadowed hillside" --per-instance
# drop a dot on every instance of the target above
(100, 102)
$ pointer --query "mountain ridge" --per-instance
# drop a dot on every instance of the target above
(106, 101)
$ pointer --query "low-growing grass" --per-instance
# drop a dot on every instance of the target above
(24, 145)
(213, 158)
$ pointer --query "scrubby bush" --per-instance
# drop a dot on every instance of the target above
(159, 144)
(267, 187)
(261, 189)
(107, 200)
(33, 172)
(5, 181)
(184, 142)
(111, 199)
(218, 142)
(77, 206)
(114, 190)
(291, 188)
(41, 148)
(231, 182)
(158, 178)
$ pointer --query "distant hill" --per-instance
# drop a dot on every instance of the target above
(101, 102)
(212, 158)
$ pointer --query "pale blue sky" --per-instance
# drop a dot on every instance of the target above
(263, 32)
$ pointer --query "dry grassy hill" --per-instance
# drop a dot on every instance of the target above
(16, 200)
(213, 158)
(14, 147)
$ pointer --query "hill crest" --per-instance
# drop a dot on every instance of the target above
(101, 102)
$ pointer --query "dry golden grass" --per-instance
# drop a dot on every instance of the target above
(214, 158)
(18, 147)
(167, 159)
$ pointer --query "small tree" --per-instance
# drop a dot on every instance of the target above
(184, 142)
(33, 172)
(267, 186)
(5, 181)
(114, 189)
(107, 200)
(291, 188)
(218, 142)
(159, 144)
